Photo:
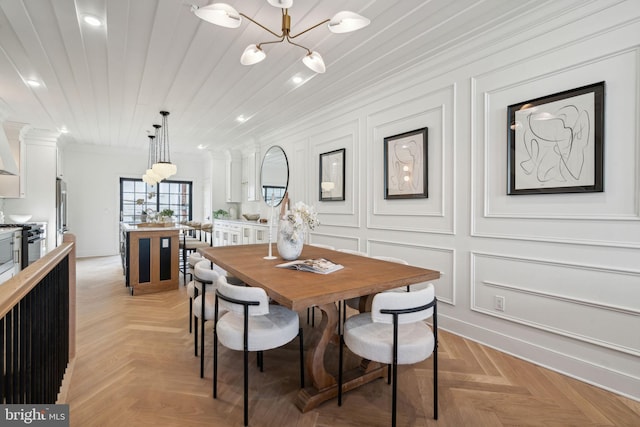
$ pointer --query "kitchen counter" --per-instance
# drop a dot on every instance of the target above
(150, 257)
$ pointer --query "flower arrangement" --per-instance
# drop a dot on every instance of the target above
(297, 221)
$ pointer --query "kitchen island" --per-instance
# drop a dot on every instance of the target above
(150, 257)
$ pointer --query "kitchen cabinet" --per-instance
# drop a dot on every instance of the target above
(151, 258)
(233, 176)
(251, 175)
(14, 186)
(229, 232)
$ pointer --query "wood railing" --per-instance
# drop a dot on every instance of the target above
(37, 327)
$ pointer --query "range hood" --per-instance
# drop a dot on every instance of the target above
(8, 164)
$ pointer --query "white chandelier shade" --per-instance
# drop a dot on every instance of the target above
(345, 22)
(226, 16)
(218, 13)
(314, 62)
(252, 55)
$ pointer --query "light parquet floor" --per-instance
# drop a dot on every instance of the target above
(135, 367)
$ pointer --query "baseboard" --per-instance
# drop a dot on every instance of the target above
(585, 371)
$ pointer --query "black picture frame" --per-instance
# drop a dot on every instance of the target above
(332, 173)
(405, 165)
(556, 143)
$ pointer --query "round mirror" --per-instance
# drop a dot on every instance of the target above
(274, 176)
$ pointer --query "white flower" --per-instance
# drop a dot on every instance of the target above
(300, 219)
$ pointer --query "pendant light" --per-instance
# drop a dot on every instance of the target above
(163, 166)
(150, 177)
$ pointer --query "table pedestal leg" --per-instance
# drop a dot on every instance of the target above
(324, 385)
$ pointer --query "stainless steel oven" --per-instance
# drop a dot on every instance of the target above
(6, 251)
(10, 253)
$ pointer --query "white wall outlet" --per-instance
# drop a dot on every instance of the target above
(498, 303)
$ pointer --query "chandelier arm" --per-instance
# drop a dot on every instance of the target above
(299, 45)
(271, 42)
(309, 29)
(261, 26)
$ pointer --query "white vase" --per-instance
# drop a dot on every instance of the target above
(288, 248)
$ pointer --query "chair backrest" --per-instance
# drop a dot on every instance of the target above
(320, 245)
(194, 258)
(390, 259)
(233, 296)
(403, 301)
(352, 252)
(204, 273)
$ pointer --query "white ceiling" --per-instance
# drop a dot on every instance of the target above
(107, 85)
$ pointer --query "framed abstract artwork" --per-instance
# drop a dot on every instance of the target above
(556, 143)
(332, 167)
(405, 165)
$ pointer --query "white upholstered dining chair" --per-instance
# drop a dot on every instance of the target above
(205, 280)
(251, 324)
(394, 332)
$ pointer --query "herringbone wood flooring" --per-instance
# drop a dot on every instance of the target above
(135, 367)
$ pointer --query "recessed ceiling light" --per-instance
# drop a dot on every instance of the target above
(64, 129)
(92, 20)
(34, 83)
(297, 80)
(202, 146)
(241, 118)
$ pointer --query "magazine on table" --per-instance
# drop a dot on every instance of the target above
(317, 265)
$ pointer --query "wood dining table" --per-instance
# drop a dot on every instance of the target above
(298, 290)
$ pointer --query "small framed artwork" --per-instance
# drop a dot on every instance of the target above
(405, 165)
(332, 175)
(556, 143)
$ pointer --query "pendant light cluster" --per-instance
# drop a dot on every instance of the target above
(226, 16)
(159, 163)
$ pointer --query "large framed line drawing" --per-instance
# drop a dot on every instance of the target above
(405, 165)
(332, 167)
(556, 143)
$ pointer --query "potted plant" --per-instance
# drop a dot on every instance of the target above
(165, 215)
(220, 213)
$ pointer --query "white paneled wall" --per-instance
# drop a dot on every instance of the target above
(567, 265)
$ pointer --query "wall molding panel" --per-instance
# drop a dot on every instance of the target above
(426, 256)
(337, 213)
(434, 109)
(586, 218)
(569, 292)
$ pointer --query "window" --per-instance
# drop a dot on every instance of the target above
(136, 197)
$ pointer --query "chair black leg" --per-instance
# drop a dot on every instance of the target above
(202, 348)
(340, 371)
(301, 358)
(190, 313)
(215, 364)
(246, 388)
(195, 336)
(394, 395)
(260, 360)
(389, 373)
(313, 317)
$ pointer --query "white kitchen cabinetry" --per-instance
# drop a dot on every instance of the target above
(252, 185)
(14, 186)
(229, 232)
(233, 176)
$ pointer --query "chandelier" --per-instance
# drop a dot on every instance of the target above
(150, 177)
(226, 16)
(163, 166)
